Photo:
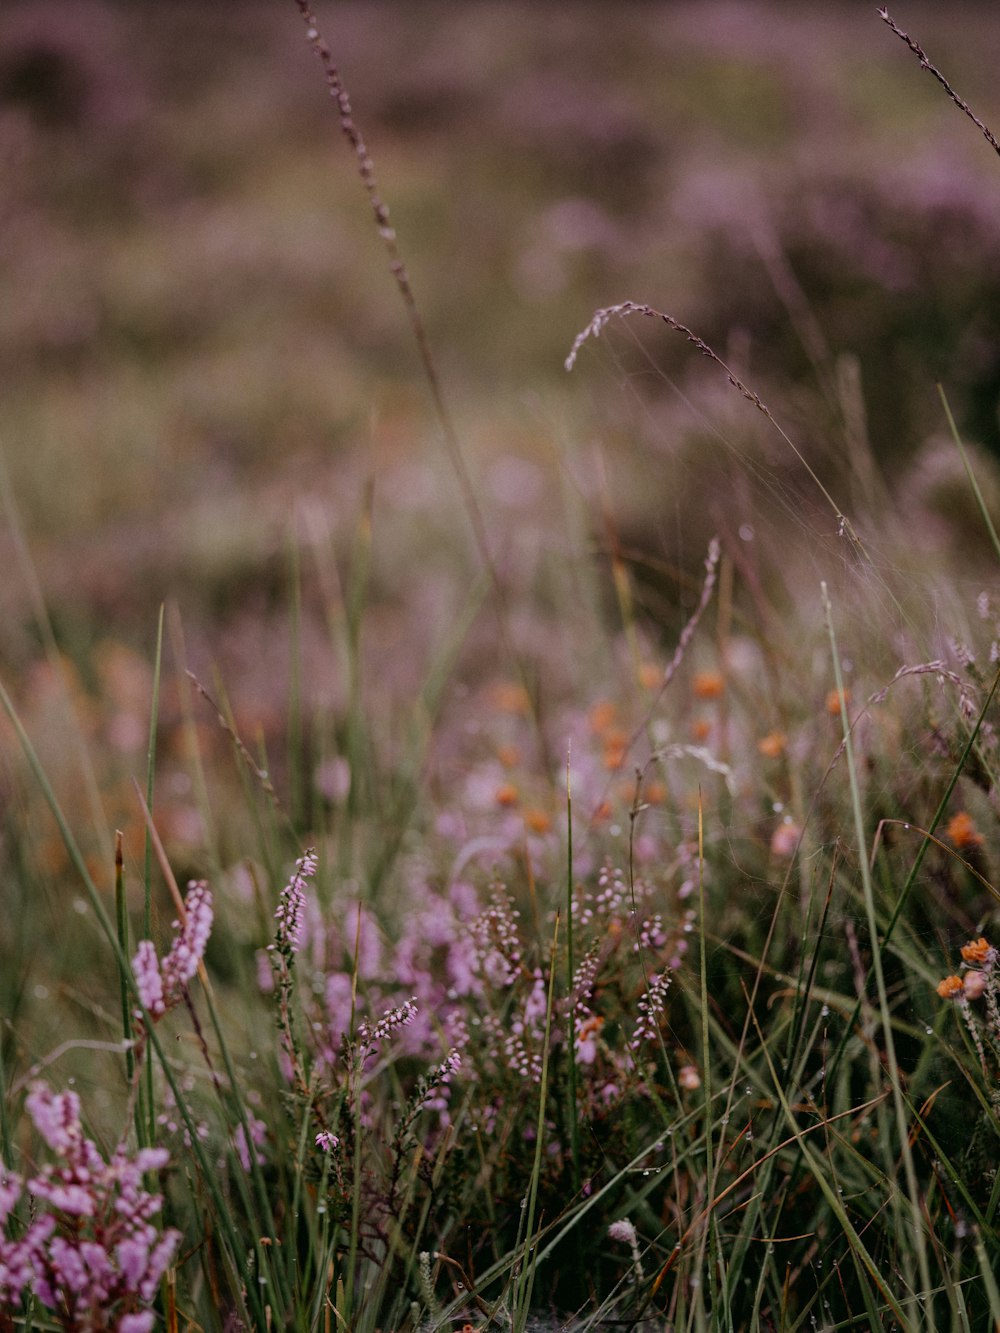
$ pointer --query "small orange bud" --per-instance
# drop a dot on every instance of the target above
(537, 821)
(650, 676)
(963, 832)
(976, 951)
(773, 744)
(708, 684)
(950, 987)
(507, 697)
(701, 729)
(507, 795)
(615, 749)
(602, 716)
(834, 700)
(509, 755)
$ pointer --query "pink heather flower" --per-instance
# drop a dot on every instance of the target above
(162, 985)
(188, 948)
(326, 1142)
(159, 1261)
(91, 1254)
(258, 1133)
(623, 1230)
(137, 1323)
(146, 968)
(651, 1008)
(56, 1116)
(974, 984)
(133, 1257)
(292, 904)
(390, 1022)
(10, 1192)
(74, 1200)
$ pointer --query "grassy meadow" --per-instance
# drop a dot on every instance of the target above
(499, 752)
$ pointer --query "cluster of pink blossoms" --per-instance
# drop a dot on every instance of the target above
(162, 985)
(89, 1253)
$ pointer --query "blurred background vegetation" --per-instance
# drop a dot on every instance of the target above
(211, 400)
(206, 366)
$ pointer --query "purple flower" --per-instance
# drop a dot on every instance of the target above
(146, 968)
(258, 1133)
(623, 1230)
(188, 948)
(292, 905)
(136, 1323)
(56, 1117)
(162, 985)
(91, 1253)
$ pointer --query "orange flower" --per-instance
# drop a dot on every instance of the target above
(537, 821)
(510, 698)
(615, 749)
(654, 793)
(507, 795)
(509, 755)
(976, 951)
(590, 1027)
(650, 676)
(834, 700)
(701, 729)
(950, 988)
(708, 684)
(602, 716)
(773, 744)
(963, 832)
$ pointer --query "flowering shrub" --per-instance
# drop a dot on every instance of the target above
(90, 1252)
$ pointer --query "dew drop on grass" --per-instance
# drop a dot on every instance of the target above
(929, 1031)
(825, 1011)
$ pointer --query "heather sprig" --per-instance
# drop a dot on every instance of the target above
(163, 984)
(90, 1254)
(290, 916)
